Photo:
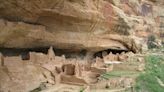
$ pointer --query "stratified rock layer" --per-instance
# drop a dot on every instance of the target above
(91, 25)
(63, 24)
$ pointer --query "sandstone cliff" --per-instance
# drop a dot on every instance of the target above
(91, 25)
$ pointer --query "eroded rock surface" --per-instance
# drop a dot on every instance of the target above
(92, 25)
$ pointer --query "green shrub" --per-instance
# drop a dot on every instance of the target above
(147, 82)
(151, 42)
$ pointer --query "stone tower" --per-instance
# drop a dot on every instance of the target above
(51, 54)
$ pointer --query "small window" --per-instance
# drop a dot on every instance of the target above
(25, 56)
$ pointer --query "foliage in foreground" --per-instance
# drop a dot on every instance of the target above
(147, 82)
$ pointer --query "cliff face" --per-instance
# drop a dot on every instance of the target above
(91, 25)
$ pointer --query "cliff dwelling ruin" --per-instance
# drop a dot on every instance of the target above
(72, 69)
(78, 45)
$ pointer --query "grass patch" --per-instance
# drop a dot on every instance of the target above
(82, 89)
(114, 74)
(147, 81)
